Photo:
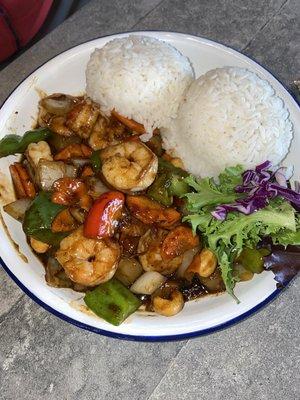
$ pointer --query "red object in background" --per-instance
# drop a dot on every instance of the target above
(20, 20)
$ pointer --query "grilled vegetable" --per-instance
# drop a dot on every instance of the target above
(155, 144)
(158, 191)
(130, 123)
(59, 142)
(23, 184)
(112, 301)
(151, 212)
(148, 283)
(50, 171)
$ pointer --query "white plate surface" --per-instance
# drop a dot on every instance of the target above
(66, 73)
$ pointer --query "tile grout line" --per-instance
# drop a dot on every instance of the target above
(264, 25)
(168, 368)
(146, 15)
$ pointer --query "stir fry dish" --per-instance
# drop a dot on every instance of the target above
(123, 222)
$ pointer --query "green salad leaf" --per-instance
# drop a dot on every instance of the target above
(227, 238)
(208, 193)
(38, 219)
(287, 237)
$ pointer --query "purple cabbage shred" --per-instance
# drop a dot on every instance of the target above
(259, 186)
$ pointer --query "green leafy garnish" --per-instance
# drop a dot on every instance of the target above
(287, 237)
(227, 238)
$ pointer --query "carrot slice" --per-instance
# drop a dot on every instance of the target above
(20, 191)
(74, 150)
(63, 222)
(130, 123)
(87, 171)
(151, 212)
(21, 180)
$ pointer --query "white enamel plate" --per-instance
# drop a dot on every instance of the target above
(66, 73)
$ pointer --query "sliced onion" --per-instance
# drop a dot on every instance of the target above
(80, 162)
(78, 213)
(148, 283)
(58, 104)
(17, 208)
(128, 271)
(96, 187)
(49, 171)
(187, 259)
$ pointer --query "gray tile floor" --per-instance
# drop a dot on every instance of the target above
(42, 357)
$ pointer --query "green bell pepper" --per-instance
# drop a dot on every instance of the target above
(158, 191)
(39, 217)
(13, 144)
(59, 142)
(168, 183)
(253, 259)
(178, 187)
(96, 161)
(112, 301)
(155, 144)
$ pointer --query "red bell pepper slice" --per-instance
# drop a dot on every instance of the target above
(103, 216)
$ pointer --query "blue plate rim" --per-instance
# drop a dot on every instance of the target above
(115, 335)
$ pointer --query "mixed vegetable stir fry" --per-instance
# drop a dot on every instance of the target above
(122, 221)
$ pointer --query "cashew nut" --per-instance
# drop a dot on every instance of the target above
(168, 306)
(203, 264)
(38, 246)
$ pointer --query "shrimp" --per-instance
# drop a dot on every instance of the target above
(88, 262)
(82, 118)
(69, 191)
(129, 166)
(149, 249)
(107, 132)
(178, 241)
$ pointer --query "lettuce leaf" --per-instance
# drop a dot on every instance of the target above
(287, 237)
(208, 193)
(227, 238)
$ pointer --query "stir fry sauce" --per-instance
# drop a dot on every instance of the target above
(104, 209)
